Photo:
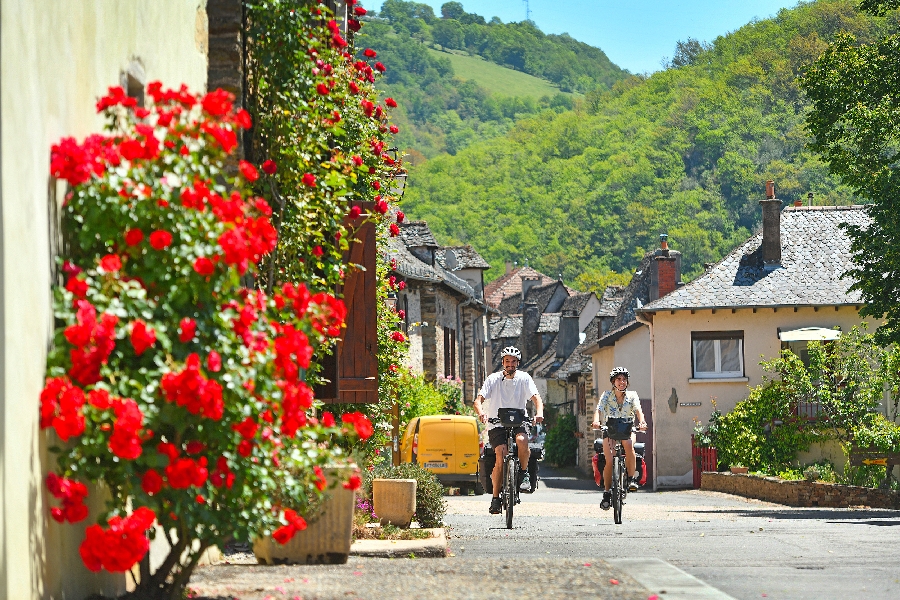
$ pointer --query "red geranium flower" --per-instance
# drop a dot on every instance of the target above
(111, 263)
(160, 239)
(248, 171)
(133, 237)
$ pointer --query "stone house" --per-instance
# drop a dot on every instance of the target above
(446, 318)
(705, 340)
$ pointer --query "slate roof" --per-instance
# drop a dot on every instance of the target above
(416, 234)
(507, 326)
(539, 294)
(577, 302)
(407, 265)
(510, 284)
(549, 323)
(635, 295)
(466, 258)
(815, 252)
(538, 365)
(611, 300)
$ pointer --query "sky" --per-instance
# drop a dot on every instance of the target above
(637, 35)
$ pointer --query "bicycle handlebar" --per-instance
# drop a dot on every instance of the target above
(528, 420)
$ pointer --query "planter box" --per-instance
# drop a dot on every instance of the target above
(328, 536)
(394, 500)
(740, 470)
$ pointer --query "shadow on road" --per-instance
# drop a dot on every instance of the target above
(834, 515)
(567, 478)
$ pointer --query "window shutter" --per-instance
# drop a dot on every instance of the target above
(353, 367)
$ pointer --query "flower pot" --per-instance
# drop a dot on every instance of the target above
(394, 500)
(739, 470)
(328, 535)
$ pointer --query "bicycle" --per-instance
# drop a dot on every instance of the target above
(617, 430)
(510, 418)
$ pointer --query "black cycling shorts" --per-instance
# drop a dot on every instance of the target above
(497, 435)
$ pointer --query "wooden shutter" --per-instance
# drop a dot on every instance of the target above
(353, 367)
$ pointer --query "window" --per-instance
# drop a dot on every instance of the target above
(717, 354)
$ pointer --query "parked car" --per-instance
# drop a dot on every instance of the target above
(447, 445)
(535, 445)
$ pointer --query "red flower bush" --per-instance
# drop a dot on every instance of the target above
(119, 547)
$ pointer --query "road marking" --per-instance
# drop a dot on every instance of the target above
(658, 576)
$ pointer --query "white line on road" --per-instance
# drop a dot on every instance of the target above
(660, 577)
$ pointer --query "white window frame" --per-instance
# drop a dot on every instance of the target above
(702, 336)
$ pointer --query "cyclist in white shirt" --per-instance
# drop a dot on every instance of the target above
(508, 388)
(619, 404)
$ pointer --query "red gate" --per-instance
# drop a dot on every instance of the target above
(703, 459)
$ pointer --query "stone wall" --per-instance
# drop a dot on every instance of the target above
(798, 493)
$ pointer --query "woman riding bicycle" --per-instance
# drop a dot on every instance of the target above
(619, 403)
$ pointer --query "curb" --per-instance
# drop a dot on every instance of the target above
(433, 547)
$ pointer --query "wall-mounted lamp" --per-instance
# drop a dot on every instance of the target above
(391, 300)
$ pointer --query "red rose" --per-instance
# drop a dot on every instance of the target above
(355, 211)
(187, 329)
(376, 185)
(393, 129)
(353, 483)
(354, 89)
(247, 428)
(99, 398)
(133, 237)
(381, 206)
(317, 251)
(217, 103)
(142, 337)
(204, 266)
(400, 216)
(309, 180)
(395, 231)
(401, 286)
(111, 263)
(269, 167)
(359, 10)
(390, 102)
(380, 67)
(327, 419)
(152, 482)
(398, 336)
(77, 286)
(214, 362)
(245, 448)
(248, 171)
(322, 89)
(160, 239)
(370, 53)
(243, 120)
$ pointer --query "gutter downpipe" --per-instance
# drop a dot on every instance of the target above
(649, 323)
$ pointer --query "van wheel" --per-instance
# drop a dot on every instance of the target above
(479, 489)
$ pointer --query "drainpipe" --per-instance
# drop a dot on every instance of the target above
(648, 321)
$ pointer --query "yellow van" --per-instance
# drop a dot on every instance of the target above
(447, 445)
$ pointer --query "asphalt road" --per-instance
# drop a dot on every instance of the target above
(744, 548)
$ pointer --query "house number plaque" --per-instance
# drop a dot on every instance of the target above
(690, 403)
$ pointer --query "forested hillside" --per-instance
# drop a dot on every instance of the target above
(586, 192)
(507, 71)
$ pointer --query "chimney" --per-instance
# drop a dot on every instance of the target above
(529, 338)
(528, 282)
(665, 269)
(568, 333)
(771, 214)
(509, 267)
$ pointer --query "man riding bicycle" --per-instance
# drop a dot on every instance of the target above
(509, 388)
(622, 404)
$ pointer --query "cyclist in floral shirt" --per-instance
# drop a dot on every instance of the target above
(619, 404)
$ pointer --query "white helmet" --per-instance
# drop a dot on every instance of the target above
(511, 351)
(618, 371)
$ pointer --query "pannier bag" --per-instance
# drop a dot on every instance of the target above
(619, 429)
(510, 417)
(598, 462)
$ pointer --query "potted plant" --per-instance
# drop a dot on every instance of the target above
(739, 469)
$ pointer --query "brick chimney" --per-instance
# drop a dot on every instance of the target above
(771, 217)
(665, 269)
(568, 335)
(529, 338)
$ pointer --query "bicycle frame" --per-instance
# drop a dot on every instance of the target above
(509, 476)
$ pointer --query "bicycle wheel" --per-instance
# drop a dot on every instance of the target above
(510, 486)
(617, 489)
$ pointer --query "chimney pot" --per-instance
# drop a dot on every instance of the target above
(809, 199)
(798, 202)
(664, 241)
(770, 190)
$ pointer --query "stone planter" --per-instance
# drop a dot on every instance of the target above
(327, 538)
(394, 500)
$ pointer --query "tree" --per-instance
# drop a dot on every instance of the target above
(453, 10)
(854, 120)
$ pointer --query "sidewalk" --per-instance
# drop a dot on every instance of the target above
(433, 547)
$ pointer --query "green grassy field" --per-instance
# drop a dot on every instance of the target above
(497, 79)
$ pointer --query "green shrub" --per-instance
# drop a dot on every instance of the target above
(561, 445)
(430, 503)
(418, 397)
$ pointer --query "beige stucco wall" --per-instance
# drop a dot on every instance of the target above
(57, 59)
(671, 341)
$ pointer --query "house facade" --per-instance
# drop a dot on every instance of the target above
(445, 316)
(707, 338)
